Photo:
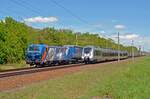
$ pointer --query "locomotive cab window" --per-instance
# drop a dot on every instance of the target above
(87, 50)
(34, 48)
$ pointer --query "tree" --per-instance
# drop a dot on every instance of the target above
(16, 36)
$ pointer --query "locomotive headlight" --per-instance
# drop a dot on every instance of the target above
(87, 55)
(90, 55)
(82, 57)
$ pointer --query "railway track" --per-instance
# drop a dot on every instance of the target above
(29, 70)
(23, 71)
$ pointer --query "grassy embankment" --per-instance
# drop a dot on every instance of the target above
(125, 80)
(13, 66)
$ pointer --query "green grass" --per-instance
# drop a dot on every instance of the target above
(128, 80)
(13, 66)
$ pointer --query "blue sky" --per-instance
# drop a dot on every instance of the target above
(101, 16)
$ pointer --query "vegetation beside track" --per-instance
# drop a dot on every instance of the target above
(13, 66)
(124, 80)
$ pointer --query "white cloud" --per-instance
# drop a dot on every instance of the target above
(126, 38)
(138, 40)
(40, 19)
(144, 42)
(129, 36)
(120, 27)
(102, 32)
(132, 36)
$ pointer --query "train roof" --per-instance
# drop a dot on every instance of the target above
(38, 45)
(71, 46)
(55, 47)
(106, 49)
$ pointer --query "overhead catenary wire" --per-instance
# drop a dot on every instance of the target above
(69, 11)
(6, 13)
(38, 11)
(21, 3)
(72, 14)
(35, 10)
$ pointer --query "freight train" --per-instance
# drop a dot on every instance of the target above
(44, 55)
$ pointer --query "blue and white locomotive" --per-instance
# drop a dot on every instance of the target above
(36, 54)
(41, 54)
(73, 53)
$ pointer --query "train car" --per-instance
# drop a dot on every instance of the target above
(54, 55)
(51, 55)
(124, 54)
(135, 54)
(92, 54)
(59, 55)
(36, 54)
(72, 53)
(64, 54)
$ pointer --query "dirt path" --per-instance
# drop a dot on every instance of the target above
(23, 80)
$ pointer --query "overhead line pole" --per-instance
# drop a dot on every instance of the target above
(118, 46)
(140, 50)
(76, 39)
(132, 50)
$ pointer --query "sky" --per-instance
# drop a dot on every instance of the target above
(131, 18)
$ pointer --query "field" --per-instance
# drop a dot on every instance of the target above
(124, 80)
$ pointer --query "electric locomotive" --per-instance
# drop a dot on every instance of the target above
(36, 54)
(42, 55)
(73, 53)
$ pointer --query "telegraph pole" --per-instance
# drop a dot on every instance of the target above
(132, 49)
(143, 51)
(140, 50)
(76, 39)
(118, 46)
(77, 34)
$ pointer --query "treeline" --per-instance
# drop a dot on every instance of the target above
(16, 36)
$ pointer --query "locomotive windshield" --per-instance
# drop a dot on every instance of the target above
(34, 48)
(87, 50)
